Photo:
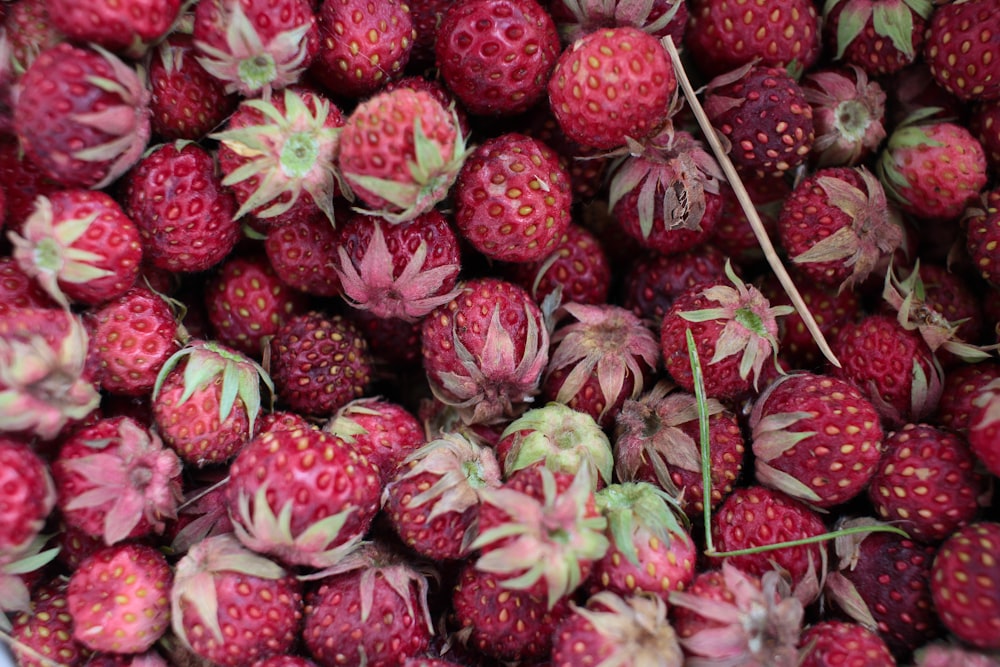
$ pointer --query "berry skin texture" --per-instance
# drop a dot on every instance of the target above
(961, 49)
(577, 265)
(965, 583)
(958, 405)
(47, 629)
(880, 41)
(27, 496)
(298, 252)
(983, 236)
(115, 26)
(840, 644)
(612, 84)
(496, 55)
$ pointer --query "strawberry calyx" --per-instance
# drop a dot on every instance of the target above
(854, 108)
(629, 506)
(591, 15)
(892, 19)
(908, 135)
(637, 627)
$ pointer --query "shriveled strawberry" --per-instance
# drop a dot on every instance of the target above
(960, 49)
(123, 27)
(964, 583)
(577, 267)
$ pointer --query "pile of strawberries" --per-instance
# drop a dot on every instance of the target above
(633, 333)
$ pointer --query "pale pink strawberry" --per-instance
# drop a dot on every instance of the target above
(29, 496)
(118, 27)
(382, 431)
(116, 480)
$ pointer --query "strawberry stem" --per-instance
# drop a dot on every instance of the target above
(807, 540)
(703, 433)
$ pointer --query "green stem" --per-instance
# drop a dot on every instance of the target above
(806, 540)
(706, 459)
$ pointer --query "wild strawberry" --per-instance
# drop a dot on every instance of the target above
(879, 37)
(382, 431)
(18, 290)
(496, 56)
(600, 357)
(255, 46)
(30, 30)
(559, 438)
(319, 363)
(926, 482)
(246, 303)
(984, 123)
(585, 165)
(433, 499)
(657, 440)
(735, 329)
(764, 114)
(653, 281)
(23, 181)
(964, 583)
(513, 199)
(400, 152)
(932, 170)
(207, 407)
(983, 235)
(723, 35)
(659, 18)
(44, 634)
(611, 628)
(231, 606)
(123, 27)
(299, 252)
(45, 384)
(733, 234)
(484, 351)
(28, 499)
(612, 84)
(759, 618)
(116, 480)
(303, 496)
(960, 392)
(187, 102)
(133, 337)
(402, 270)
(82, 115)
(667, 196)
(650, 551)
(278, 156)
(577, 267)
(815, 438)
(882, 580)
(184, 215)
(946, 654)
(436, 89)
(504, 623)
(80, 247)
(893, 367)
(755, 516)
(393, 342)
(119, 599)
(960, 49)
(370, 609)
(848, 115)
(984, 425)
(830, 643)
(363, 45)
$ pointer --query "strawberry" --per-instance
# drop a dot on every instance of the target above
(128, 27)
(612, 84)
(984, 122)
(830, 643)
(983, 426)
(231, 606)
(433, 499)
(285, 661)
(656, 440)
(764, 114)
(600, 357)
(496, 55)
(382, 431)
(947, 654)
(484, 351)
(848, 115)
(659, 18)
(82, 115)
(319, 363)
(932, 170)
(393, 342)
(961, 49)
(302, 495)
(116, 480)
(18, 290)
(926, 482)
(735, 329)
(653, 281)
(246, 303)
(363, 45)
(960, 392)
(299, 253)
(80, 246)
(402, 270)
(184, 215)
(28, 499)
(45, 632)
(881, 37)
(756, 516)
(983, 235)
(965, 587)
(400, 152)
(610, 629)
(370, 609)
(513, 199)
(133, 337)
(187, 102)
(255, 46)
(119, 599)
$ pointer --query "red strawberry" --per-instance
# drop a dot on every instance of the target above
(117, 27)
(23, 181)
(302, 495)
(577, 267)
(363, 45)
(82, 115)
(585, 165)
(984, 424)
(835, 643)
(961, 49)
(30, 30)
(965, 584)
(962, 385)
(983, 236)
(80, 247)
(300, 251)
(926, 482)
(496, 55)
(119, 599)
(319, 363)
(513, 199)
(393, 342)
(879, 37)
(653, 281)
(612, 84)
(29, 495)
(18, 290)
(984, 122)
(46, 630)
(659, 18)
(848, 115)
(382, 431)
